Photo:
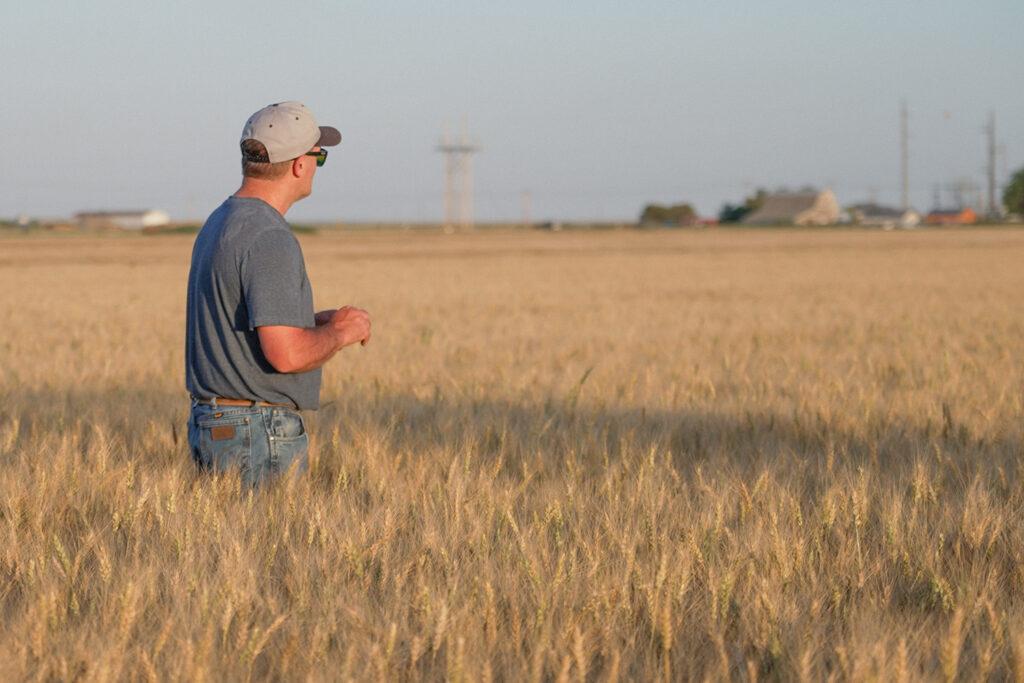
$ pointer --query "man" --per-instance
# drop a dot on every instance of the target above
(253, 345)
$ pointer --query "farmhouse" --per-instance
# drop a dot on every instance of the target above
(126, 220)
(796, 208)
(884, 216)
(951, 217)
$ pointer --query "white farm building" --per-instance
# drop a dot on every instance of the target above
(126, 220)
(796, 208)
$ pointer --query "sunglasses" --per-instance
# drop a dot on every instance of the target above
(321, 157)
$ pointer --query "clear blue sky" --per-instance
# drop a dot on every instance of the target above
(594, 108)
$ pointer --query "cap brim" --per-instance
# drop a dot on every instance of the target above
(329, 137)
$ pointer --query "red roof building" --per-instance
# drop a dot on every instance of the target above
(954, 217)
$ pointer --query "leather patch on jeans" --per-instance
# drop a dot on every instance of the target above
(222, 433)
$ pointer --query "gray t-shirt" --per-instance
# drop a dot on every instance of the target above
(247, 271)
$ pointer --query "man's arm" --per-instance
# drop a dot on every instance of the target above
(300, 349)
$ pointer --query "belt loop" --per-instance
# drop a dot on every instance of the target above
(213, 402)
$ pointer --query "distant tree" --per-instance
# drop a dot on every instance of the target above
(731, 213)
(675, 215)
(1013, 195)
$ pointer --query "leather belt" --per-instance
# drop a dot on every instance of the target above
(219, 401)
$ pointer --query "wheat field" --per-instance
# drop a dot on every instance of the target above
(712, 455)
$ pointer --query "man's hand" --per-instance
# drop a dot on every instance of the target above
(351, 324)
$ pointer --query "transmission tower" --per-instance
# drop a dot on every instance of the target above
(904, 158)
(458, 180)
(990, 134)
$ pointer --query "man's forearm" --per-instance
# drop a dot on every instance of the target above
(300, 349)
(311, 347)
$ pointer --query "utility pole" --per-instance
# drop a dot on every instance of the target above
(966, 194)
(526, 199)
(458, 180)
(904, 157)
(990, 133)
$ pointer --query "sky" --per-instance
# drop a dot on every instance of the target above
(592, 109)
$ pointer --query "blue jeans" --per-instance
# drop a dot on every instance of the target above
(259, 443)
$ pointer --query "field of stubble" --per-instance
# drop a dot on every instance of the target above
(717, 455)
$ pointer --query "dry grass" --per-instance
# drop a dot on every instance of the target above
(564, 457)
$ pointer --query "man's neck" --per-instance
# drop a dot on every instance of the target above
(272, 193)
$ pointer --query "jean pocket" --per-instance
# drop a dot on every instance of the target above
(289, 442)
(225, 442)
(286, 424)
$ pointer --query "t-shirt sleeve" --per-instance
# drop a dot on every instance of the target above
(273, 275)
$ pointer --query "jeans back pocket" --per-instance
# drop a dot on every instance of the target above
(225, 443)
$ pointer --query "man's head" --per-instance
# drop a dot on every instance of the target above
(280, 143)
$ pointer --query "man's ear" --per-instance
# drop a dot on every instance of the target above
(297, 167)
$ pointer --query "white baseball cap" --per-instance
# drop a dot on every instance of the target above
(288, 130)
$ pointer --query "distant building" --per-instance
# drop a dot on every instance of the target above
(126, 220)
(952, 217)
(884, 216)
(796, 208)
